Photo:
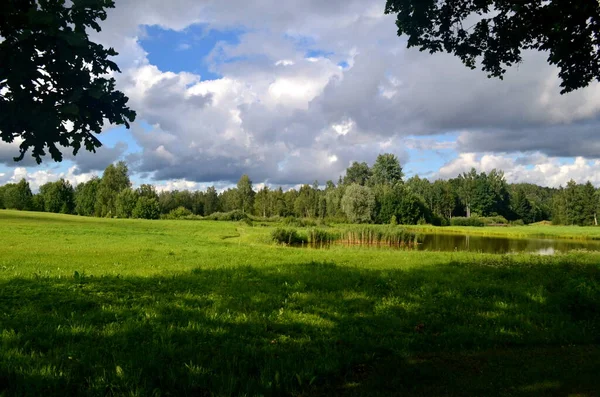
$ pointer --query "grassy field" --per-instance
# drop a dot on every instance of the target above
(531, 231)
(186, 308)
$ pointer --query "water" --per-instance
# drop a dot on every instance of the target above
(501, 245)
(485, 244)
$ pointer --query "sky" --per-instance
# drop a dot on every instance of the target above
(292, 92)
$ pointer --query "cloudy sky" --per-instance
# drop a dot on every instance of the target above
(292, 93)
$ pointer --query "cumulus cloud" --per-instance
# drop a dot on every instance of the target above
(285, 112)
(40, 177)
(535, 168)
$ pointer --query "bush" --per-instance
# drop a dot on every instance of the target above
(287, 236)
(463, 221)
(518, 222)
(297, 222)
(235, 215)
(179, 213)
(437, 220)
(494, 220)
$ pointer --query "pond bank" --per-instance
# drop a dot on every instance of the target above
(532, 231)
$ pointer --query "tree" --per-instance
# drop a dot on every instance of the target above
(58, 197)
(126, 202)
(228, 200)
(444, 198)
(358, 173)
(146, 190)
(146, 208)
(466, 189)
(495, 32)
(18, 196)
(211, 201)
(54, 82)
(262, 204)
(303, 202)
(333, 199)
(85, 197)
(386, 170)
(278, 201)
(521, 206)
(245, 194)
(358, 203)
(387, 202)
(589, 204)
(114, 180)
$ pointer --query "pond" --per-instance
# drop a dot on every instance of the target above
(501, 245)
(484, 244)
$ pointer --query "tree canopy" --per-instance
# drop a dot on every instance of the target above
(55, 88)
(495, 32)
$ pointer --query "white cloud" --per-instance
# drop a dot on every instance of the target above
(536, 168)
(38, 178)
(282, 113)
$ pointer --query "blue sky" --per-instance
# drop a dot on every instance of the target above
(296, 93)
(187, 50)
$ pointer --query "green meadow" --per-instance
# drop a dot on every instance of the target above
(97, 307)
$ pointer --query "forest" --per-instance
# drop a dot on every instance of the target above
(365, 194)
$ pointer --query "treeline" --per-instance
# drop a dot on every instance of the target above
(377, 194)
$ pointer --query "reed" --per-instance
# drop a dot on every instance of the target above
(367, 235)
(378, 235)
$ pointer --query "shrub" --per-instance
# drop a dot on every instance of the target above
(235, 215)
(179, 213)
(494, 220)
(297, 222)
(287, 236)
(463, 221)
(518, 222)
(437, 220)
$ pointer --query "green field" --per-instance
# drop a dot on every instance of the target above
(100, 307)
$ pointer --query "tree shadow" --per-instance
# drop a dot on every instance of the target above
(315, 328)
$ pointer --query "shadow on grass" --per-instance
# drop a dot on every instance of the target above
(494, 328)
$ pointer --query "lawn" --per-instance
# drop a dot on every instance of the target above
(153, 308)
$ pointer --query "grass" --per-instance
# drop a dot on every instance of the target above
(531, 231)
(151, 308)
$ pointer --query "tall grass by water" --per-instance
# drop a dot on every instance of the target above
(360, 235)
(153, 308)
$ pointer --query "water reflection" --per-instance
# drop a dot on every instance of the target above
(500, 245)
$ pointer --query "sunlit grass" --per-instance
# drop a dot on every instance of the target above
(124, 307)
